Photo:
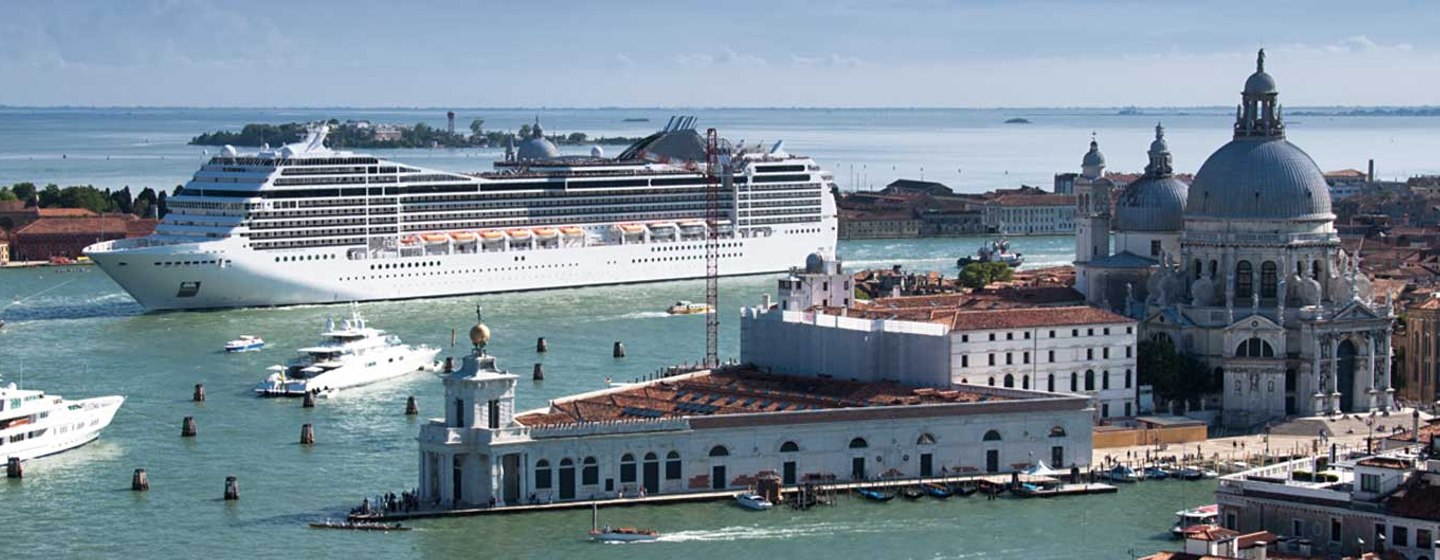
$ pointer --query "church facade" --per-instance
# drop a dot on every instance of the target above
(1260, 289)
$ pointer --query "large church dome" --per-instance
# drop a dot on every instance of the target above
(1259, 174)
(1155, 201)
(537, 146)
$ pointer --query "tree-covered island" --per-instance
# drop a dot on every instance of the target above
(363, 134)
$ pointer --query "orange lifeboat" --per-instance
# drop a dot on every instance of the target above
(572, 231)
(632, 229)
(435, 238)
(518, 234)
(492, 235)
(463, 236)
(409, 240)
(547, 233)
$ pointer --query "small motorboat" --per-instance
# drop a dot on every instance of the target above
(751, 500)
(245, 343)
(1156, 473)
(912, 493)
(1122, 473)
(937, 491)
(689, 308)
(1195, 473)
(1190, 519)
(875, 495)
(608, 534)
(964, 490)
(358, 526)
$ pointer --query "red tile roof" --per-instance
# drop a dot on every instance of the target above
(739, 391)
(96, 225)
(1035, 200)
(66, 213)
(12, 205)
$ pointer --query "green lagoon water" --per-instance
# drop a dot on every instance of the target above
(77, 334)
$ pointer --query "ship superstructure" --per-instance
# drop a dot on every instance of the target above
(307, 224)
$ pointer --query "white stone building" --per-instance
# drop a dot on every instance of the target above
(723, 430)
(1262, 291)
(1075, 349)
(1030, 214)
(1387, 503)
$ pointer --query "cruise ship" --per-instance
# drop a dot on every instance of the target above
(304, 223)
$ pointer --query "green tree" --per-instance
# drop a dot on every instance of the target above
(477, 127)
(87, 197)
(977, 275)
(7, 195)
(525, 131)
(50, 196)
(24, 191)
(1174, 375)
(575, 138)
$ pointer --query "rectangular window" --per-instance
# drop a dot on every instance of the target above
(1400, 536)
(1052, 356)
(1074, 332)
(1089, 353)
(1027, 335)
(1422, 538)
(1105, 353)
(1052, 334)
(1154, 247)
(1335, 530)
(1105, 410)
(964, 338)
(1009, 358)
(992, 337)
(1370, 483)
(1128, 352)
(1297, 528)
(1009, 336)
(1026, 357)
(992, 359)
(965, 361)
(1107, 330)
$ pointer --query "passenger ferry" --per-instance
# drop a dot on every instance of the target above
(307, 224)
(351, 355)
(34, 424)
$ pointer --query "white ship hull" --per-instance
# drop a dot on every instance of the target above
(364, 370)
(64, 429)
(234, 276)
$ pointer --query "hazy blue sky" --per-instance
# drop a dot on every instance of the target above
(737, 53)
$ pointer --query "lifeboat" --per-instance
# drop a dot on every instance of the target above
(662, 229)
(463, 236)
(518, 234)
(572, 231)
(631, 229)
(410, 240)
(492, 235)
(435, 238)
(693, 227)
(546, 233)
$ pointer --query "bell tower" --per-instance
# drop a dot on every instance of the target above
(1092, 214)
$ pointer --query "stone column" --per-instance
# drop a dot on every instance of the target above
(1316, 355)
(1335, 395)
(1372, 384)
(497, 476)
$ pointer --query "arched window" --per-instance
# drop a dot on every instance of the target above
(992, 435)
(858, 443)
(992, 381)
(1268, 279)
(1089, 380)
(925, 439)
(1214, 268)
(672, 465)
(1128, 376)
(1057, 431)
(1254, 348)
(1050, 385)
(1074, 383)
(589, 472)
(719, 451)
(651, 457)
(1244, 280)
(627, 468)
(542, 475)
(1199, 269)
(789, 447)
(1009, 380)
(1315, 270)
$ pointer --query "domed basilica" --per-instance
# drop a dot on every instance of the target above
(1242, 269)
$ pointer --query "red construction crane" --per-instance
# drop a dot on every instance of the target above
(712, 248)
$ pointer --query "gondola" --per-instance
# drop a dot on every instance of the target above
(875, 495)
(912, 493)
(938, 491)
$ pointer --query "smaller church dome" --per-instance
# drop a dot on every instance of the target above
(1093, 158)
(1152, 204)
(1260, 83)
(537, 147)
(815, 263)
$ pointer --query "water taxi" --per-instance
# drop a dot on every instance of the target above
(245, 343)
(689, 308)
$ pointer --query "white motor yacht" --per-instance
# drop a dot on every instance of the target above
(751, 500)
(34, 424)
(350, 355)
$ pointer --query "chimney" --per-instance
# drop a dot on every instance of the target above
(1370, 175)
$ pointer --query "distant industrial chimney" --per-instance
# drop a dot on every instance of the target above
(1370, 175)
(450, 121)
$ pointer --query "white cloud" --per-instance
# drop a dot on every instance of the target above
(832, 60)
(725, 57)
